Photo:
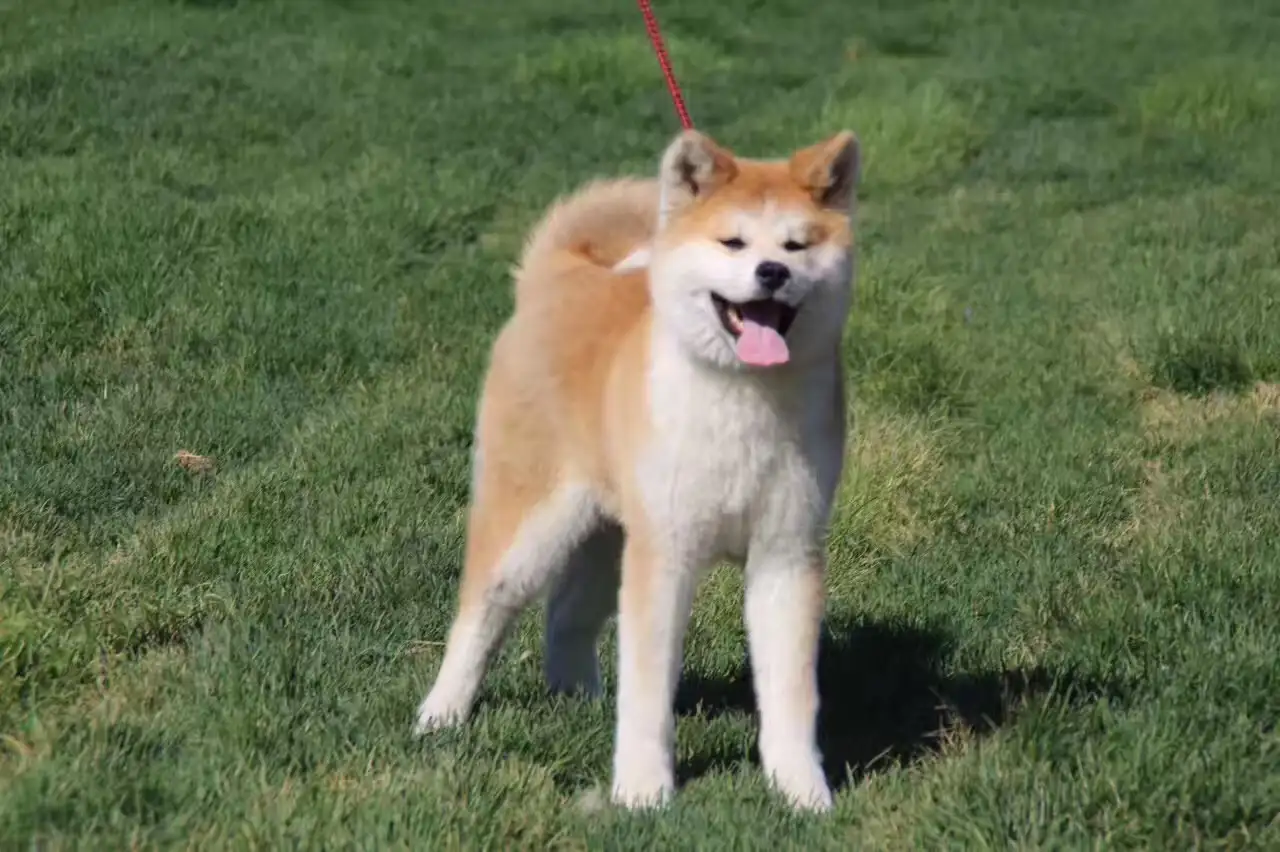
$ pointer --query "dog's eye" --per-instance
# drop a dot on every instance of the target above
(792, 245)
(733, 244)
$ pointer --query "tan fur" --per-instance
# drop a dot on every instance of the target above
(544, 418)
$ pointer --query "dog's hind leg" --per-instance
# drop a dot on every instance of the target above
(582, 600)
(516, 543)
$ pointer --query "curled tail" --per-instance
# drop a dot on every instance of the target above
(597, 227)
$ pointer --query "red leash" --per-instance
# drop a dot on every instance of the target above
(655, 36)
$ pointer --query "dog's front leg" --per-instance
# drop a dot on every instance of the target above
(653, 612)
(784, 605)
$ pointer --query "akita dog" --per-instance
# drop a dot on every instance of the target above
(668, 393)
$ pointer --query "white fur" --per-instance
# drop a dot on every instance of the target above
(780, 658)
(638, 259)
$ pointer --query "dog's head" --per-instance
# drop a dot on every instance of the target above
(752, 264)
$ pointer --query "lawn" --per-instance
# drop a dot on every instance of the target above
(278, 235)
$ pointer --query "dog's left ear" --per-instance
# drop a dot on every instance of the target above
(829, 170)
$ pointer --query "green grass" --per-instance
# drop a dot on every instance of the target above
(279, 234)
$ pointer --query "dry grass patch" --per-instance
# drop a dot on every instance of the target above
(132, 689)
(1172, 419)
(884, 508)
(1172, 422)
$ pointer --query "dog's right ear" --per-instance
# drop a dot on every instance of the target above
(692, 166)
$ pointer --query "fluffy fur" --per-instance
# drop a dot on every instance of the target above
(625, 443)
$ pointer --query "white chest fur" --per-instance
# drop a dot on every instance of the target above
(736, 459)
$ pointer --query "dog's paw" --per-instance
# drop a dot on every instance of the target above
(437, 713)
(804, 786)
(642, 795)
(645, 781)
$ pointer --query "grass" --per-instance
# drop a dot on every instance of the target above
(277, 234)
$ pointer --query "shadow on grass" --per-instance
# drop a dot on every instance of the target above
(887, 700)
(1197, 366)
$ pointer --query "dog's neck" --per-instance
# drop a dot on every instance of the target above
(785, 387)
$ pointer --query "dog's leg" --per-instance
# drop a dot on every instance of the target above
(512, 552)
(582, 599)
(657, 595)
(784, 605)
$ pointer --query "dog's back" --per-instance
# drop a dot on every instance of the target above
(584, 236)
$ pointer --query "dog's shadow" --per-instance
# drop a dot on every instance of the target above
(886, 699)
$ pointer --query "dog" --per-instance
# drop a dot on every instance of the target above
(668, 393)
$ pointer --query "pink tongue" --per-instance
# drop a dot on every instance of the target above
(761, 345)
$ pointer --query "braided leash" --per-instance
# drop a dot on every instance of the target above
(655, 36)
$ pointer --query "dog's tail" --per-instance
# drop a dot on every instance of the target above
(599, 226)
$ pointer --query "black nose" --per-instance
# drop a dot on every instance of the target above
(772, 275)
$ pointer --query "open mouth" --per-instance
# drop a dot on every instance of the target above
(758, 328)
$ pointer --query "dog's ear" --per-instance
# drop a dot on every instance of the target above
(829, 170)
(692, 166)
